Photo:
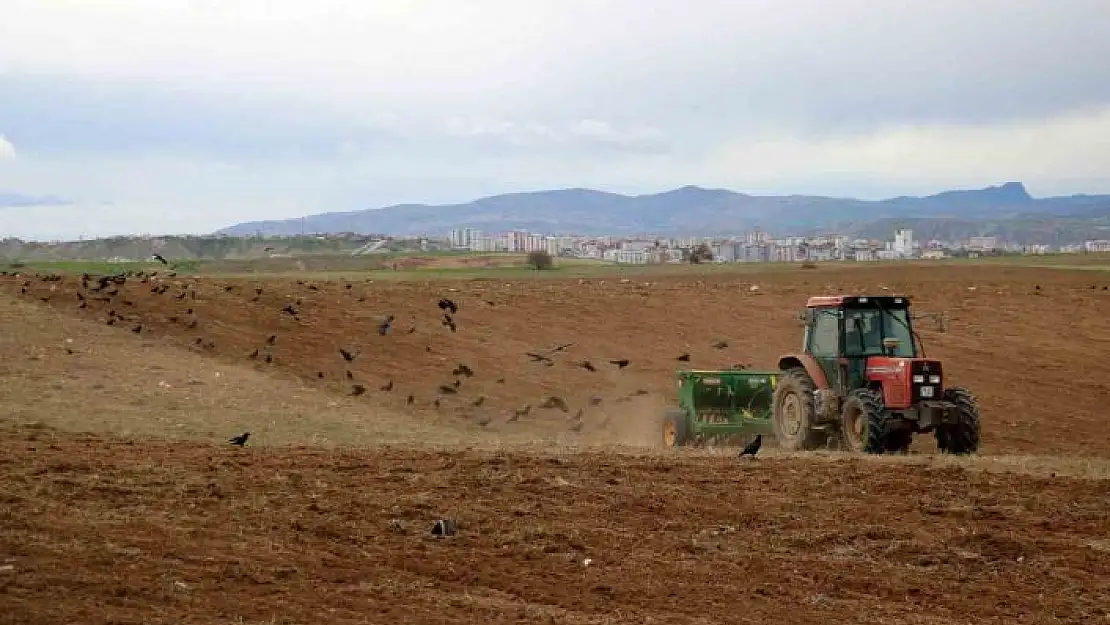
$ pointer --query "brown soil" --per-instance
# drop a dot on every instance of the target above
(99, 531)
(317, 525)
(1031, 356)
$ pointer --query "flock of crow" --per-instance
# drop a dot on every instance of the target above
(110, 293)
(106, 291)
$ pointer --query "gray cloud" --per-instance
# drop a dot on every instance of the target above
(591, 134)
(253, 109)
(867, 64)
(53, 115)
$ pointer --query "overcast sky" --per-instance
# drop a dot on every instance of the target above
(188, 115)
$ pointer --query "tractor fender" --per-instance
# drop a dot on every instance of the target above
(807, 362)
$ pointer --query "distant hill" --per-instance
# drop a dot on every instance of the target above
(1038, 230)
(693, 210)
(181, 248)
(16, 200)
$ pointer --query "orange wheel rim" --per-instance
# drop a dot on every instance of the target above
(670, 433)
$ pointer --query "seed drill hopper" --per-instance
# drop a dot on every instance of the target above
(720, 406)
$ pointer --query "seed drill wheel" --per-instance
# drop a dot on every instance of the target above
(863, 422)
(793, 415)
(675, 430)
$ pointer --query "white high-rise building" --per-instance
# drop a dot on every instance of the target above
(903, 242)
(462, 238)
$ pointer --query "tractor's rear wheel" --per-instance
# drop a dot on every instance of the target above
(676, 432)
(961, 437)
(864, 422)
(794, 413)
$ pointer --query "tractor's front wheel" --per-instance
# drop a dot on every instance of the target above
(676, 432)
(864, 422)
(961, 437)
(794, 415)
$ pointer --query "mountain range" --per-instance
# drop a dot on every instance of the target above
(1006, 210)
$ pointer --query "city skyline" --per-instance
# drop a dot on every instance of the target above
(753, 246)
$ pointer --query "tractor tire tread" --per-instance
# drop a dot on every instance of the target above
(871, 403)
(962, 437)
(797, 380)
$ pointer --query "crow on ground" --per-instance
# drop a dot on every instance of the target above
(752, 448)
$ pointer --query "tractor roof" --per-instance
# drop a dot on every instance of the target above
(886, 301)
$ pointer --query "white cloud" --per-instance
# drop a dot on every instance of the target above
(604, 133)
(399, 51)
(512, 59)
(7, 150)
(1053, 155)
(585, 133)
(208, 112)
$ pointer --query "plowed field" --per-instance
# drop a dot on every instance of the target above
(314, 522)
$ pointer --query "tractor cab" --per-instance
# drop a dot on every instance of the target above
(848, 335)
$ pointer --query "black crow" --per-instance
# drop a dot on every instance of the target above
(752, 448)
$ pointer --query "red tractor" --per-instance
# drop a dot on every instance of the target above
(863, 377)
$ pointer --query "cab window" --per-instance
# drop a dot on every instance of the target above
(824, 334)
(865, 329)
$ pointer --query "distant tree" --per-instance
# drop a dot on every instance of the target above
(700, 254)
(540, 260)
